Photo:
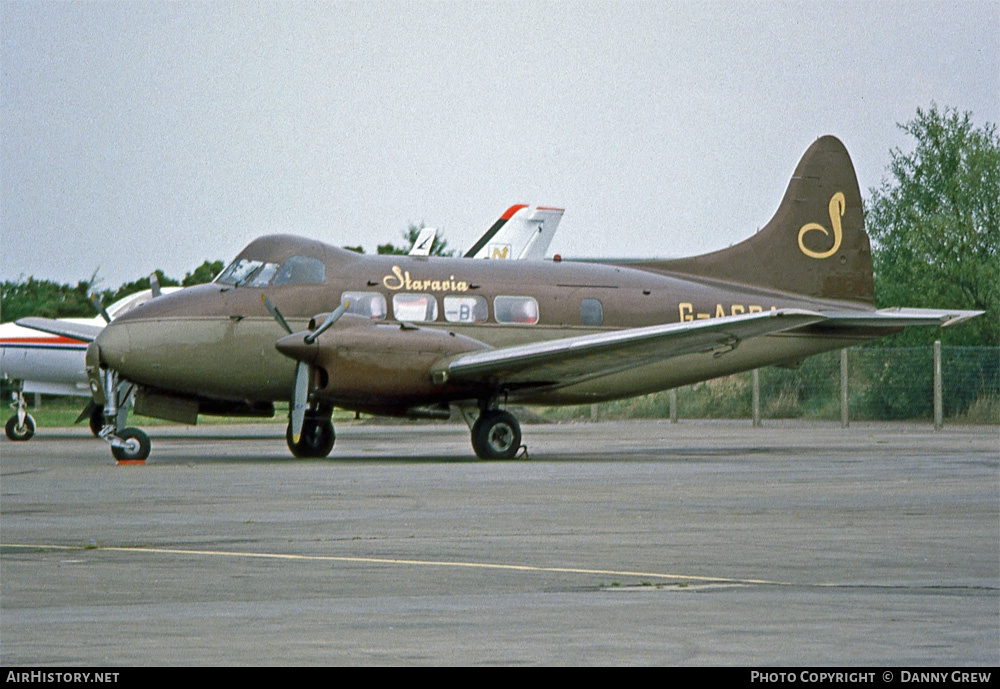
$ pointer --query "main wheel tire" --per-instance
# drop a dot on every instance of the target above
(316, 441)
(97, 420)
(19, 433)
(136, 446)
(496, 435)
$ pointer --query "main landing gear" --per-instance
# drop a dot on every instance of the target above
(20, 426)
(317, 437)
(496, 435)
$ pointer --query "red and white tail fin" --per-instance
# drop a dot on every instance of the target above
(521, 232)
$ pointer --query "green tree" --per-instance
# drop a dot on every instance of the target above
(137, 286)
(438, 248)
(49, 299)
(45, 298)
(935, 226)
(206, 272)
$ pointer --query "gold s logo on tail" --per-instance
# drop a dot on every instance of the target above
(837, 206)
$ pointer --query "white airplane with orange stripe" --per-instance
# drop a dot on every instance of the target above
(40, 362)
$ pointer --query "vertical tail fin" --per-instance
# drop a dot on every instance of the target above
(521, 232)
(424, 242)
(815, 245)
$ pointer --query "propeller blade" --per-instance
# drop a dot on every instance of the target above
(299, 399)
(277, 314)
(154, 285)
(96, 302)
(330, 320)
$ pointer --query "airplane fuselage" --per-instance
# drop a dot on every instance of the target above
(217, 341)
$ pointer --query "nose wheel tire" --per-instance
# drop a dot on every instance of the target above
(136, 447)
(496, 435)
(20, 432)
(316, 441)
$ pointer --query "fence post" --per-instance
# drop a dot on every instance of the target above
(844, 412)
(673, 405)
(756, 397)
(938, 406)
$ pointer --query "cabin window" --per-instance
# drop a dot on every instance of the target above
(238, 272)
(298, 270)
(465, 309)
(409, 306)
(522, 310)
(591, 312)
(369, 304)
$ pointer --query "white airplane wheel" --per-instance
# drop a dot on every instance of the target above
(22, 432)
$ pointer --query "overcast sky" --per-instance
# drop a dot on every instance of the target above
(144, 135)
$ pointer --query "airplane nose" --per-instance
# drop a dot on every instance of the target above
(113, 344)
(295, 347)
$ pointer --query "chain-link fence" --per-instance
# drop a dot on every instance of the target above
(882, 384)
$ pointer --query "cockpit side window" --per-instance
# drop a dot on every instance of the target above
(301, 269)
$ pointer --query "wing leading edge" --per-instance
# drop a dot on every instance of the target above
(567, 361)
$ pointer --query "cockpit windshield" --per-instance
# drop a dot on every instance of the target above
(296, 270)
(238, 272)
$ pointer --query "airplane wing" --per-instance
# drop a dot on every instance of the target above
(568, 361)
(78, 331)
(574, 359)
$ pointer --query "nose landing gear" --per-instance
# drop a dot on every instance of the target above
(134, 447)
(128, 445)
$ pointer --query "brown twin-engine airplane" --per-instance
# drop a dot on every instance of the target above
(296, 319)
